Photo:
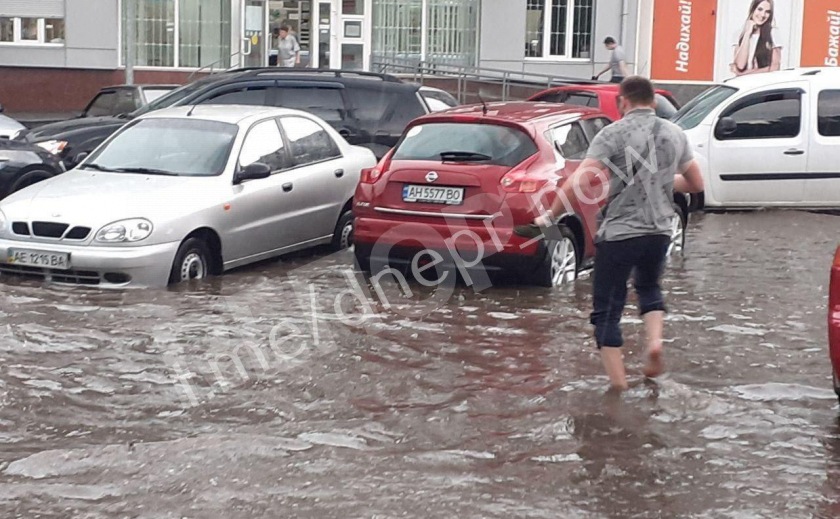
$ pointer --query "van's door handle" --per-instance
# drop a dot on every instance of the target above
(339, 173)
(795, 152)
(288, 186)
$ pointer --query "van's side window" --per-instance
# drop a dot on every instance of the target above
(770, 115)
(828, 113)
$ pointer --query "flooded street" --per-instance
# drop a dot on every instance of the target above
(286, 390)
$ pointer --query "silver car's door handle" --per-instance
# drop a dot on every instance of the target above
(795, 152)
(339, 173)
(288, 186)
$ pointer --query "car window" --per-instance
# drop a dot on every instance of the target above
(693, 113)
(112, 103)
(153, 94)
(264, 143)
(325, 103)
(664, 107)
(308, 141)
(254, 95)
(370, 106)
(552, 97)
(569, 140)
(407, 108)
(582, 100)
(502, 145)
(181, 146)
(765, 116)
(828, 113)
(593, 126)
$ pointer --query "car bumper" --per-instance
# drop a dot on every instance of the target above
(108, 267)
(471, 245)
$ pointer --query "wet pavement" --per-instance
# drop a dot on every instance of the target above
(287, 390)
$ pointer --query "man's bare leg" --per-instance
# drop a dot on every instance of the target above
(654, 322)
(614, 365)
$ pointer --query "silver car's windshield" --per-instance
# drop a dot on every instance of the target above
(698, 108)
(182, 147)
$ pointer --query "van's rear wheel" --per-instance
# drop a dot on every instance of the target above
(193, 261)
(678, 226)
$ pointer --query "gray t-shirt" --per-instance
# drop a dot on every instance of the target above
(287, 48)
(640, 204)
(616, 58)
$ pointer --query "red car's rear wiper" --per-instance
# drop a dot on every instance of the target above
(464, 156)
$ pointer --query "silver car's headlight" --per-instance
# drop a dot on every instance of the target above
(131, 230)
(54, 147)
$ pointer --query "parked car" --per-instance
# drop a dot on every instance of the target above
(834, 321)
(183, 193)
(768, 139)
(23, 164)
(437, 99)
(8, 126)
(462, 183)
(124, 99)
(367, 109)
(604, 97)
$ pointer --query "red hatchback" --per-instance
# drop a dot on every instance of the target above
(462, 187)
(603, 97)
(834, 321)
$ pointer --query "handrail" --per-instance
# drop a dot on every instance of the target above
(212, 65)
(420, 69)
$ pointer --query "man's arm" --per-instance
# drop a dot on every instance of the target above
(599, 74)
(689, 179)
(591, 172)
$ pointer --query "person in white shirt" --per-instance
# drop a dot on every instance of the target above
(758, 46)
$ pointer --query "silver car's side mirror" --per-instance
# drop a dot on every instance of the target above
(254, 171)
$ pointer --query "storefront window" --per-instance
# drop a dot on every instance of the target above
(29, 29)
(54, 30)
(450, 28)
(7, 30)
(189, 33)
(559, 28)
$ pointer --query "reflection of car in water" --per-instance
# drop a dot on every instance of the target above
(183, 193)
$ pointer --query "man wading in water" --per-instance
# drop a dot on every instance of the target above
(644, 159)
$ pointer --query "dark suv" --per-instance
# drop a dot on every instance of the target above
(368, 109)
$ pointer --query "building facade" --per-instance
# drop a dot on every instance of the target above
(55, 54)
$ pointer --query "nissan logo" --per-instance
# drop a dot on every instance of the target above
(431, 176)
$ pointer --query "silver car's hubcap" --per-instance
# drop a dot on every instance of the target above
(346, 236)
(677, 233)
(563, 263)
(192, 267)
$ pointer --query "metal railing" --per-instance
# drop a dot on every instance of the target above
(420, 70)
(211, 67)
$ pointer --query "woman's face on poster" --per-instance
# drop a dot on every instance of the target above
(762, 13)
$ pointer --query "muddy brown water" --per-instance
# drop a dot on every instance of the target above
(286, 390)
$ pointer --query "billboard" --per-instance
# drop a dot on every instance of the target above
(714, 40)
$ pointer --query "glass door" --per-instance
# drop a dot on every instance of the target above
(353, 36)
(254, 31)
(322, 35)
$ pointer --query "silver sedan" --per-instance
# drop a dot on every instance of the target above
(183, 193)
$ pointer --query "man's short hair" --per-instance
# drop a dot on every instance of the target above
(637, 90)
(609, 40)
(284, 28)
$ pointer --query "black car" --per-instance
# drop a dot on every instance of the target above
(368, 109)
(23, 164)
(122, 99)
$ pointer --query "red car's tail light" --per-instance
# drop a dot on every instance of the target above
(519, 180)
(370, 175)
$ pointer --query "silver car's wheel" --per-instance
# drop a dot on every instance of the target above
(343, 233)
(563, 263)
(193, 267)
(192, 261)
(677, 245)
(836, 385)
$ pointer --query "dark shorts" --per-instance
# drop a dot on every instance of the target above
(615, 261)
(616, 79)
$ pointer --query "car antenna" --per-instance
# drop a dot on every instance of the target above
(191, 110)
(483, 104)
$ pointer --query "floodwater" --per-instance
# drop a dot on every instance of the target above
(288, 390)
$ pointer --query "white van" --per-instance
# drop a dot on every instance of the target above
(770, 139)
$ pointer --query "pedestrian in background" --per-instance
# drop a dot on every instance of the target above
(288, 49)
(617, 64)
(638, 162)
